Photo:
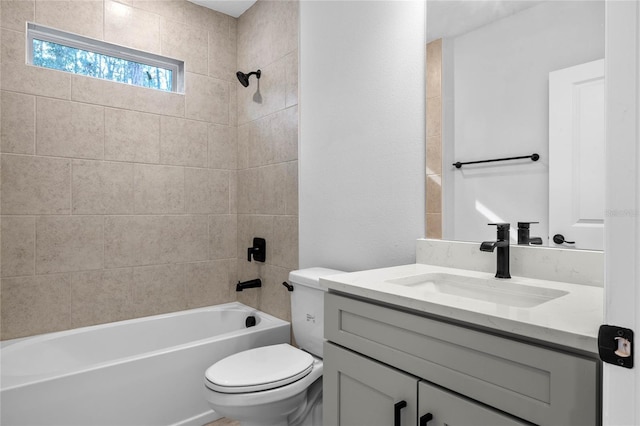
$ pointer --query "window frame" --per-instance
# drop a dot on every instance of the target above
(47, 34)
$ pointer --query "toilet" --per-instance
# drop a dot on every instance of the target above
(278, 385)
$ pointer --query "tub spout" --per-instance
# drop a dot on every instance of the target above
(248, 284)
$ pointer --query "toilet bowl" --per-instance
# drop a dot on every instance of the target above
(277, 385)
(275, 391)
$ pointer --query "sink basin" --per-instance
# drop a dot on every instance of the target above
(503, 292)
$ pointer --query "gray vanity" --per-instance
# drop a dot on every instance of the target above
(411, 345)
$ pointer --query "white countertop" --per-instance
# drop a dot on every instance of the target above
(571, 320)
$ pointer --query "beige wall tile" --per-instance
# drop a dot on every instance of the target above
(13, 46)
(222, 51)
(172, 9)
(284, 247)
(101, 187)
(79, 17)
(434, 155)
(220, 197)
(223, 147)
(158, 189)
(233, 102)
(434, 225)
(120, 95)
(291, 77)
(16, 13)
(69, 129)
(133, 240)
(34, 305)
(148, 240)
(35, 185)
(223, 234)
(260, 190)
(98, 297)
(291, 188)
(210, 283)
(183, 142)
(159, 289)
(274, 298)
(186, 43)
(29, 79)
(272, 90)
(434, 194)
(186, 238)
(434, 116)
(18, 123)
(198, 192)
(267, 32)
(207, 191)
(69, 243)
(273, 139)
(18, 245)
(233, 192)
(207, 99)
(203, 17)
(131, 27)
(131, 136)
(434, 68)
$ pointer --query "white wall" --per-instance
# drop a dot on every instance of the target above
(496, 84)
(362, 132)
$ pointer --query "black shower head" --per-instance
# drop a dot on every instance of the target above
(244, 78)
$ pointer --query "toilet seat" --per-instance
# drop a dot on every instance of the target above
(259, 369)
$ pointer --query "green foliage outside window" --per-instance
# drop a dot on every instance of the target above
(57, 56)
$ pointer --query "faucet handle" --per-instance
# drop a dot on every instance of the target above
(525, 225)
(503, 230)
(501, 225)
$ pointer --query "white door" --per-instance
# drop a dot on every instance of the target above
(621, 386)
(576, 153)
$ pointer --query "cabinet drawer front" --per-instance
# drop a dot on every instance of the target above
(450, 409)
(539, 385)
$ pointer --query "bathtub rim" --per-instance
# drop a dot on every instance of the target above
(269, 322)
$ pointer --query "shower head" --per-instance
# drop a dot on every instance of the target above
(244, 78)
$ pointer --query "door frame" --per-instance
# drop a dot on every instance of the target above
(621, 386)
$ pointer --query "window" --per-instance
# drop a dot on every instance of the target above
(50, 48)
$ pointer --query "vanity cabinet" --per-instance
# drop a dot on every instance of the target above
(377, 356)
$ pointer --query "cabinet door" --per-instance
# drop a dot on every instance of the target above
(358, 391)
(438, 407)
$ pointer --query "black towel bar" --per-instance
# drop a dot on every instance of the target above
(533, 157)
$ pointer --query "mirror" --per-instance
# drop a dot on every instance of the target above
(510, 79)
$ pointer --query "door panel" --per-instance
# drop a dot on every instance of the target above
(449, 409)
(576, 152)
(359, 391)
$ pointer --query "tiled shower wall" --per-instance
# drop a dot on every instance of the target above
(434, 139)
(120, 202)
(268, 150)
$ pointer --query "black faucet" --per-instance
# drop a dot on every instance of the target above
(502, 243)
(523, 235)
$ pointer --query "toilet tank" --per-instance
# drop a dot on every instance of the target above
(307, 308)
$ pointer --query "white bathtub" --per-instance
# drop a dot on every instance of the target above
(146, 371)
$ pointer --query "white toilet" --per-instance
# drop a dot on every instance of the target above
(277, 385)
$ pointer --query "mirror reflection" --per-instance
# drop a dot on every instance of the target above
(511, 79)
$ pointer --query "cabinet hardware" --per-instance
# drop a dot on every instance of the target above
(397, 407)
(426, 419)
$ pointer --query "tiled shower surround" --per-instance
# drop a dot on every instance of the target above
(118, 201)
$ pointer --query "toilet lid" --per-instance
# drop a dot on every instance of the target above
(259, 369)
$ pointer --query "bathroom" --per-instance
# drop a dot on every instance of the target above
(97, 230)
